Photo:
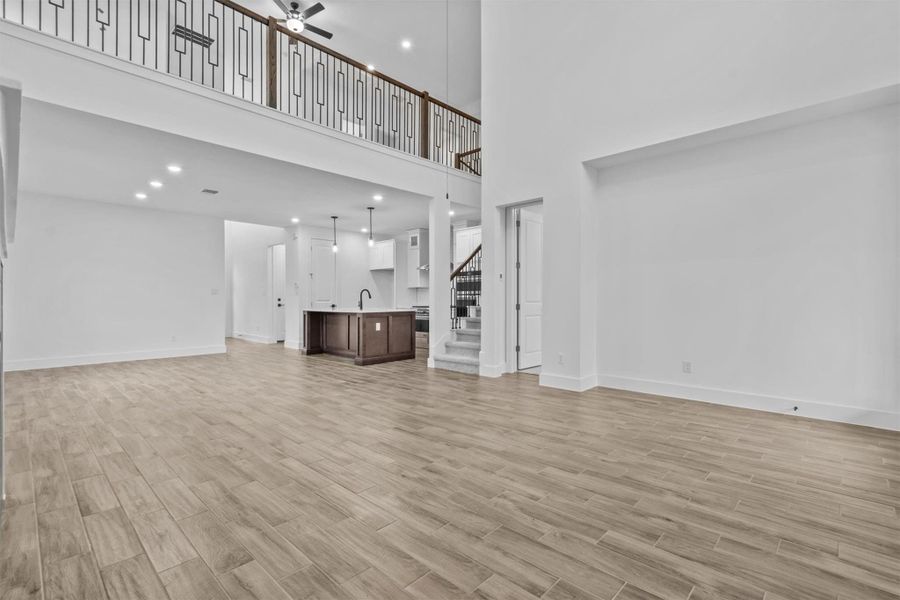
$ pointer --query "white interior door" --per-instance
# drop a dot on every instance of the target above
(321, 275)
(278, 299)
(530, 272)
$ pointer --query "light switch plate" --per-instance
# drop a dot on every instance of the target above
(377, 325)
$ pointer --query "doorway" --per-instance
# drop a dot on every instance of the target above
(527, 223)
(276, 261)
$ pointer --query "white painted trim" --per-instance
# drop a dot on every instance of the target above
(490, 370)
(832, 108)
(292, 344)
(813, 410)
(567, 382)
(28, 364)
(256, 339)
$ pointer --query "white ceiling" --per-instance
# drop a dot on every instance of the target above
(77, 155)
(370, 31)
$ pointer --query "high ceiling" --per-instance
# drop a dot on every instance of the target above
(445, 58)
(73, 154)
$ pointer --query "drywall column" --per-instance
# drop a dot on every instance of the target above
(493, 291)
(294, 280)
(438, 275)
(569, 336)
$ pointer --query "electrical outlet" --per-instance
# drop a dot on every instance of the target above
(214, 292)
(561, 358)
(173, 338)
(686, 366)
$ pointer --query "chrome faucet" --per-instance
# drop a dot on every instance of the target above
(360, 296)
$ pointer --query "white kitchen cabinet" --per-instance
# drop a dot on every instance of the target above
(381, 256)
(466, 239)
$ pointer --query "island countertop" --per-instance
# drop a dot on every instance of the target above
(364, 311)
(369, 335)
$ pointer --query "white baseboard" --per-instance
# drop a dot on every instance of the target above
(490, 370)
(292, 344)
(567, 382)
(257, 339)
(54, 362)
(435, 348)
(813, 410)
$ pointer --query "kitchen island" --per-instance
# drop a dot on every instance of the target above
(367, 336)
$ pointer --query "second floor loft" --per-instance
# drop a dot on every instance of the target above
(225, 46)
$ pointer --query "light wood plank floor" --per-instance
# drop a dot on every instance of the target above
(265, 474)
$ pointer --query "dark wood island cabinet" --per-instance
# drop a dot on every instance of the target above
(368, 336)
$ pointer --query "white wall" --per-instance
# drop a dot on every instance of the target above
(88, 282)
(770, 263)
(657, 71)
(248, 310)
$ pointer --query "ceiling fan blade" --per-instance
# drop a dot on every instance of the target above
(283, 6)
(313, 29)
(312, 10)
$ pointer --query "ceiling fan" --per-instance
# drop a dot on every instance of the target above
(295, 19)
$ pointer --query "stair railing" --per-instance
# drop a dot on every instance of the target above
(469, 161)
(465, 288)
(222, 45)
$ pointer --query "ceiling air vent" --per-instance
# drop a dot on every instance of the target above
(209, 191)
(192, 36)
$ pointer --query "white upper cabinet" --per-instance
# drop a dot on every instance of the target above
(466, 240)
(381, 256)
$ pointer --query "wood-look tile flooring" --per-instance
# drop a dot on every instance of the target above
(265, 474)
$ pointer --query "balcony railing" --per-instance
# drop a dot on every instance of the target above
(224, 46)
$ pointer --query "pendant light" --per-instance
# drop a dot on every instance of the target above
(334, 247)
(371, 239)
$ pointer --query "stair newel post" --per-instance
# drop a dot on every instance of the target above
(272, 63)
(424, 134)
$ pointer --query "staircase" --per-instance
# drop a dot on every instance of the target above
(461, 353)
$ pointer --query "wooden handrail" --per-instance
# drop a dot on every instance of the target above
(469, 166)
(301, 38)
(456, 110)
(244, 11)
(459, 162)
(464, 263)
(347, 59)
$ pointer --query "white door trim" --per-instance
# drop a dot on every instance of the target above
(509, 313)
(276, 328)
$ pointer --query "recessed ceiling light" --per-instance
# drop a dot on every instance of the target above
(451, 213)
(377, 197)
(406, 44)
(156, 184)
(370, 67)
(141, 196)
(364, 230)
(174, 169)
(295, 220)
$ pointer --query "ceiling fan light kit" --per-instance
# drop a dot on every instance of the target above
(295, 25)
(295, 19)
